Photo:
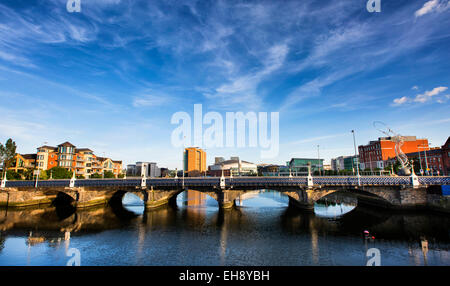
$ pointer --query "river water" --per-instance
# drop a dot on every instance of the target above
(260, 230)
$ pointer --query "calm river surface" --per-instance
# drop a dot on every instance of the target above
(261, 230)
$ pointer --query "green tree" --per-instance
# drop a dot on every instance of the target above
(44, 175)
(7, 153)
(12, 175)
(28, 174)
(109, 174)
(60, 173)
(96, 176)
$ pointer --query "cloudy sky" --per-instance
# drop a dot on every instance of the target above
(111, 76)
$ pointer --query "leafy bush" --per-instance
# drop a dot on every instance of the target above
(60, 173)
(109, 174)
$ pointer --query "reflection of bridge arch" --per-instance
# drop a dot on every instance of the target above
(63, 198)
(193, 197)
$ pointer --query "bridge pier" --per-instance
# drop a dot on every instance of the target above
(157, 198)
(225, 198)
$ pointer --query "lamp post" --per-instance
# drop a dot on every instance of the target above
(370, 158)
(420, 160)
(426, 161)
(183, 161)
(357, 158)
(3, 185)
(318, 157)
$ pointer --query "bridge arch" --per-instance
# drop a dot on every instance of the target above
(118, 196)
(210, 195)
(306, 198)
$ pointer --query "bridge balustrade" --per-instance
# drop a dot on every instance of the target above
(434, 180)
(236, 182)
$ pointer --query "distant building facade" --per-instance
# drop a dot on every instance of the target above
(347, 163)
(376, 153)
(141, 169)
(82, 161)
(431, 159)
(194, 161)
(273, 170)
(446, 157)
(234, 166)
(23, 162)
(299, 166)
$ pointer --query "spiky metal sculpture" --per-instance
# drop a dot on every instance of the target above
(398, 140)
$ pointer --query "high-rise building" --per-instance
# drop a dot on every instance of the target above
(194, 161)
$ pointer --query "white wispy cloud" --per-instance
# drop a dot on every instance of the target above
(242, 89)
(424, 97)
(427, 8)
(149, 100)
(401, 100)
(318, 138)
(421, 98)
(432, 6)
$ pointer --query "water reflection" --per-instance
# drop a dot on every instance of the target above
(261, 230)
(133, 203)
(335, 205)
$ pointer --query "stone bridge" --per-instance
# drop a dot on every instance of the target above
(303, 192)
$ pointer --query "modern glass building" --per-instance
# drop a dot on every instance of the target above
(299, 166)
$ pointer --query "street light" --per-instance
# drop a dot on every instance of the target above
(357, 157)
(426, 161)
(318, 157)
(420, 161)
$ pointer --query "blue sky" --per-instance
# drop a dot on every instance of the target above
(110, 77)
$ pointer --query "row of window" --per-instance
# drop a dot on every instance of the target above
(66, 150)
(65, 157)
(65, 163)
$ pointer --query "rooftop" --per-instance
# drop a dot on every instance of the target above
(66, 144)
